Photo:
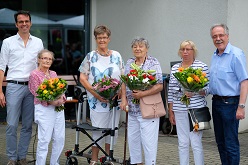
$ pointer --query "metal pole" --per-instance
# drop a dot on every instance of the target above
(112, 134)
(125, 141)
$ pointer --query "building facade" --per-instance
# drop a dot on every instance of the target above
(165, 23)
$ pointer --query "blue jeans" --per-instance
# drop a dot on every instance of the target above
(226, 129)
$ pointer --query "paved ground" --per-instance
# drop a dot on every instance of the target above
(167, 147)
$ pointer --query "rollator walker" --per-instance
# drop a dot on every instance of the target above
(84, 127)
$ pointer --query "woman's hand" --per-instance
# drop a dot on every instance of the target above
(124, 105)
(202, 92)
(101, 99)
(172, 117)
(189, 94)
(137, 94)
(61, 100)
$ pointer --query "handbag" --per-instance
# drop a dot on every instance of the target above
(199, 119)
(152, 106)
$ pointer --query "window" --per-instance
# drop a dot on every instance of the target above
(60, 25)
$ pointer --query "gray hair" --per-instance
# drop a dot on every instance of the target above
(139, 40)
(224, 26)
(45, 51)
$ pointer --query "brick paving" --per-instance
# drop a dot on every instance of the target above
(167, 147)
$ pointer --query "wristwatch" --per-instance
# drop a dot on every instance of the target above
(241, 106)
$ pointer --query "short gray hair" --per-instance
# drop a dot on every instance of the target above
(45, 51)
(138, 40)
(224, 26)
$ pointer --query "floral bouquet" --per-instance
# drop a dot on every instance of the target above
(51, 90)
(138, 79)
(192, 80)
(107, 88)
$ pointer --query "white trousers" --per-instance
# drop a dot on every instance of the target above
(51, 125)
(143, 133)
(185, 138)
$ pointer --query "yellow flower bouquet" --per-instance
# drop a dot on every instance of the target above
(51, 90)
(192, 80)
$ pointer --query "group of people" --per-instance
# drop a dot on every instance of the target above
(228, 84)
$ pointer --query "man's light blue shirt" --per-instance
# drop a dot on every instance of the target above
(227, 71)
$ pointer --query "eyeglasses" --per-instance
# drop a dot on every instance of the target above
(102, 38)
(185, 49)
(22, 22)
(46, 59)
(220, 36)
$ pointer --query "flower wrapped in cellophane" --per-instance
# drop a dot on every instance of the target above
(192, 80)
(138, 79)
(107, 88)
(51, 90)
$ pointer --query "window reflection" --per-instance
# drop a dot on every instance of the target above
(51, 25)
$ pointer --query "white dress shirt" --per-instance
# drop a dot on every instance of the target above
(20, 60)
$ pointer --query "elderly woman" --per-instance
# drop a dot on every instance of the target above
(178, 113)
(141, 132)
(51, 124)
(99, 63)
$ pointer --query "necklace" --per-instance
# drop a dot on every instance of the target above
(105, 55)
(47, 73)
(142, 64)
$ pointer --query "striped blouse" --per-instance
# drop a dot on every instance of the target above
(175, 91)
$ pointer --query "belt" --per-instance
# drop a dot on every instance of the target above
(18, 82)
(217, 97)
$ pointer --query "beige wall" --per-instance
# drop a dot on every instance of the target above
(166, 23)
(237, 21)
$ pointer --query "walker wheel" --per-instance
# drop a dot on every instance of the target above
(166, 126)
(71, 161)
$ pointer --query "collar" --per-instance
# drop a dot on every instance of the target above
(19, 37)
(226, 51)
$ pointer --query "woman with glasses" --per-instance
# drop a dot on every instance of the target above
(99, 63)
(178, 112)
(51, 124)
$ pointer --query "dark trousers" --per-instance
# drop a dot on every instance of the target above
(226, 129)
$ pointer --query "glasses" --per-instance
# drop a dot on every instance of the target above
(46, 59)
(102, 38)
(218, 36)
(22, 22)
(185, 49)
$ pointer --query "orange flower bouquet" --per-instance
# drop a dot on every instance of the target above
(192, 80)
(51, 90)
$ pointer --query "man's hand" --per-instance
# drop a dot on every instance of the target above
(240, 114)
(2, 100)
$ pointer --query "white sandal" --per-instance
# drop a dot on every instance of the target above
(92, 162)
